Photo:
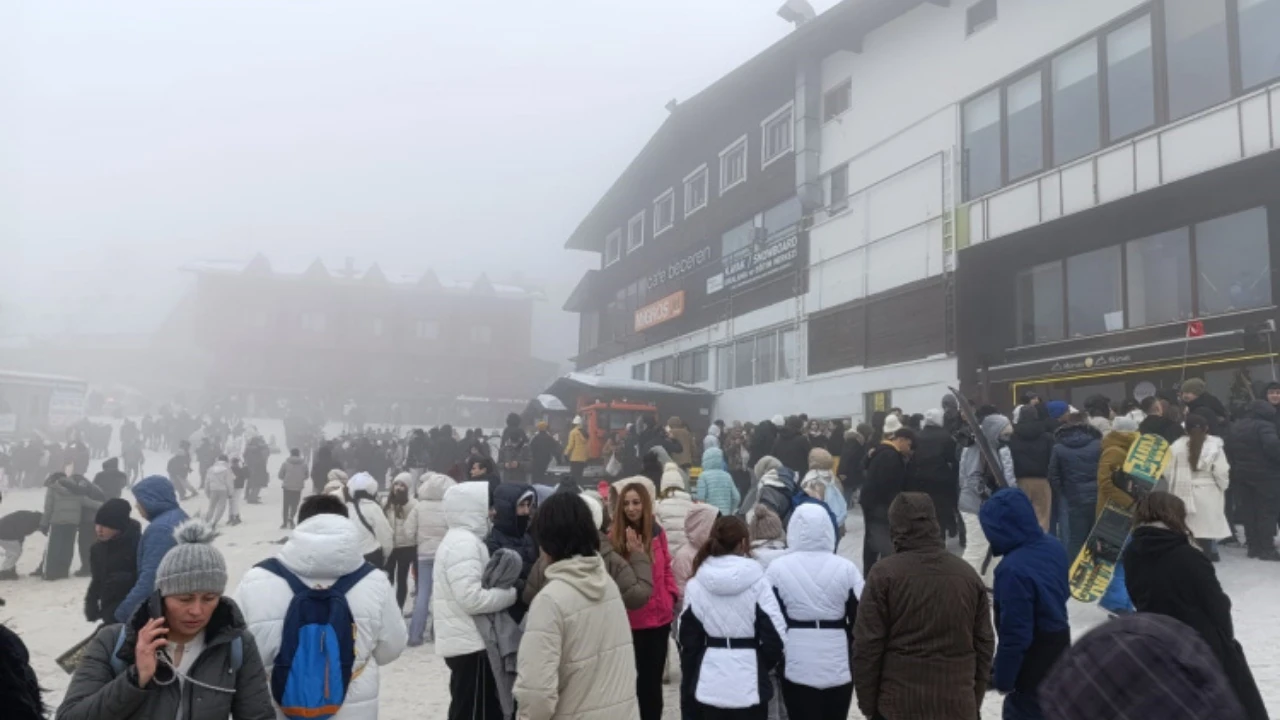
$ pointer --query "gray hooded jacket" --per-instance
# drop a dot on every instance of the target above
(973, 487)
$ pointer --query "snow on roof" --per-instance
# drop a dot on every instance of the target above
(551, 402)
(625, 384)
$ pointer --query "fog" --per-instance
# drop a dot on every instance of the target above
(136, 137)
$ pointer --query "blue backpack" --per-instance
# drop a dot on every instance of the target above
(312, 671)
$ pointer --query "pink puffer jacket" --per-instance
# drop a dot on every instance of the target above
(660, 610)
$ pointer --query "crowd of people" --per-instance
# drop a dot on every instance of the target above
(548, 597)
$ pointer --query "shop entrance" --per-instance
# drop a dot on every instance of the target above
(1223, 380)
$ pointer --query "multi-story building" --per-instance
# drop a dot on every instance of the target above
(439, 351)
(1067, 196)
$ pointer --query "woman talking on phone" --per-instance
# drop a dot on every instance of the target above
(186, 653)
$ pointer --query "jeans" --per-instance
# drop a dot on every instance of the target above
(1116, 598)
(1080, 519)
(217, 505)
(1022, 706)
(419, 625)
(291, 500)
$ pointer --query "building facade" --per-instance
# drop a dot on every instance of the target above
(1065, 196)
(410, 348)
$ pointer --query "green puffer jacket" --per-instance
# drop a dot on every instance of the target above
(97, 693)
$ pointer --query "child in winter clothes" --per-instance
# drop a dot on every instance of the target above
(1030, 597)
(731, 629)
(401, 515)
(113, 561)
(715, 485)
(431, 526)
(674, 504)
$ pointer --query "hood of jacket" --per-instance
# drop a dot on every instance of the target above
(992, 427)
(712, 459)
(671, 478)
(1119, 439)
(586, 574)
(1150, 542)
(779, 477)
(291, 460)
(433, 486)
(729, 574)
(697, 524)
(155, 494)
(466, 507)
(913, 523)
(1261, 410)
(1009, 521)
(810, 529)
(1077, 436)
(323, 546)
(506, 498)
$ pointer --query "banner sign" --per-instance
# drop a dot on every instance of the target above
(66, 408)
(654, 314)
(744, 269)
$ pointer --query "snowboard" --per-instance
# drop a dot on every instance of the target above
(1094, 568)
(988, 452)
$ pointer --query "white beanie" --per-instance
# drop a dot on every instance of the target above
(672, 477)
(892, 425)
(362, 482)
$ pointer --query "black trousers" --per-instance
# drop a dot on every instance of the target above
(376, 558)
(576, 469)
(473, 695)
(755, 712)
(88, 536)
(291, 500)
(398, 565)
(809, 702)
(651, 658)
(877, 543)
(61, 550)
(1258, 513)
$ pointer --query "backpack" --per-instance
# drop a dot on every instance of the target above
(306, 682)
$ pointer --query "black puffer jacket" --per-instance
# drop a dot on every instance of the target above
(1254, 449)
(511, 531)
(111, 481)
(934, 467)
(762, 442)
(1212, 409)
(114, 568)
(792, 450)
(1162, 426)
(1031, 446)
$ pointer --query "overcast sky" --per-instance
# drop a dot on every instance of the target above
(461, 135)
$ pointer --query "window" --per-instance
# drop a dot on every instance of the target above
(429, 330)
(1233, 262)
(788, 355)
(744, 363)
(1039, 309)
(664, 212)
(733, 164)
(314, 321)
(637, 372)
(1259, 27)
(776, 132)
(1026, 126)
(635, 232)
(695, 191)
(838, 190)
(613, 248)
(482, 334)
(692, 367)
(376, 326)
(663, 370)
(737, 239)
(1158, 278)
(1094, 303)
(1131, 84)
(980, 15)
(724, 368)
(1075, 103)
(768, 357)
(982, 144)
(837, 100)
(1196, 53)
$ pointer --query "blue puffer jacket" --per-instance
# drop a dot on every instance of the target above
(715, 486)
(155, 495)
(1073, 465)
(1030, 595)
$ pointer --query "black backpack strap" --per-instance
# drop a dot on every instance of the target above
(364, 522)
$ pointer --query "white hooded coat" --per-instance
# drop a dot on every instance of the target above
(815, 584)
(319, 551)
(381, 535)
(430, 511)
(672, 510)
(220, 479)
(458, 596)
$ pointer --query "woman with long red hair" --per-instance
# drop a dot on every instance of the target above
(633, 524)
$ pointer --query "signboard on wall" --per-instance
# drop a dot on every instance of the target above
(66, 408)
(656, 313)
(746, 268)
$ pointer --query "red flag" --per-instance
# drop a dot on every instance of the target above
(1195, 329)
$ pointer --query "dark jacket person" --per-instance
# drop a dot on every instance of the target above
(113, 561)
(923, 633)
(1254, 450)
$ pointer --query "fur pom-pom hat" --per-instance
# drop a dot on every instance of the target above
(194, 565)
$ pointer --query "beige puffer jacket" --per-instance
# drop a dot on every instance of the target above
(576, 661)
(430, 511)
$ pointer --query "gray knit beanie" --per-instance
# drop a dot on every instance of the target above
(194, 565)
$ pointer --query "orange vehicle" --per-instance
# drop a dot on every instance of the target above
(608, 419)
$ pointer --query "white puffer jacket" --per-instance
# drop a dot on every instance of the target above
(815, 584)
(671, 512)
(430, 512)
(460, 562)
(321, 550)
(723, 601)
(372, 514)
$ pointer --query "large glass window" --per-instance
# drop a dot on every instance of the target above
(1094, 304)
(743, 362)
(982, 144)
(1040, 304)
(1075, 103)
(724, 368)
(766, 358)
(1196, 51)
(1131, 84)
(737, 239)
(1259, 28)
(788, 355)
(1159, 278)
(1026, 126)
(1233, 262)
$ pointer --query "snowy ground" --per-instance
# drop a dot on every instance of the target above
(49, 618)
